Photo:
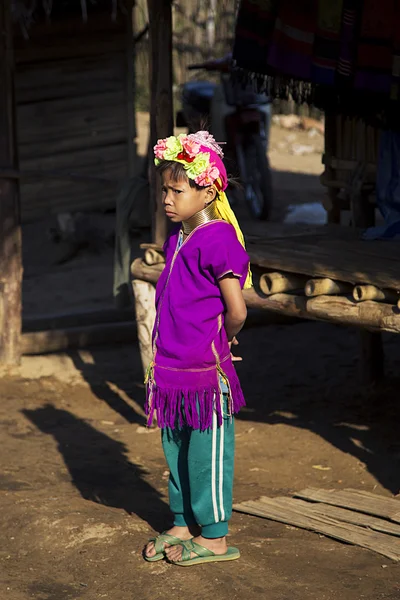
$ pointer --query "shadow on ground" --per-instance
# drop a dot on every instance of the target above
(99, 466)
(324, 394)
(120, 386)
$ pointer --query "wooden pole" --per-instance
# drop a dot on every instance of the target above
(330, 151)
(130, 85)
(372, 363)
(10, 229)
(161, 126)
(340, 310)
(274, 283)
(161, 101)
(361, 293)
(326, 287)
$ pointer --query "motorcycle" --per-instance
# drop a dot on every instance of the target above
(241, 117)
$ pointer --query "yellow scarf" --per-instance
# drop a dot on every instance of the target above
(226, 214)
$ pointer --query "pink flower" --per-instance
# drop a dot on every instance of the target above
(160, 148)
(208, 176)
(191, 147)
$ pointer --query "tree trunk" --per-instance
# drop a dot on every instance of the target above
(10, 229)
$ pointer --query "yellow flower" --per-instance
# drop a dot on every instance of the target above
(174, 146)
(199, 165)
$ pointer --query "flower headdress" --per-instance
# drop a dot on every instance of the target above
(201, 157)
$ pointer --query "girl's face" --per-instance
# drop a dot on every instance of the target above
(182, 201)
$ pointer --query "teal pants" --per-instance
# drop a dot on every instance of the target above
(201, 465)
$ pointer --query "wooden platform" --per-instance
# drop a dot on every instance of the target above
(353, 516)
(324, 251)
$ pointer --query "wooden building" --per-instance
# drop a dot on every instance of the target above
(74, 108)
(66, 123)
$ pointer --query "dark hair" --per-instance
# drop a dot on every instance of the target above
(178, 172)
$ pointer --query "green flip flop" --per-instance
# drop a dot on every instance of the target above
(204, 555)
(159, 541)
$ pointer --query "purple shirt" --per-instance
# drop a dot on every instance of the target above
(190, 344)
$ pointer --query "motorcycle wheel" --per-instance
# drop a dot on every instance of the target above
(256, 178)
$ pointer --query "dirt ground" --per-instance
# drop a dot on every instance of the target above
(83, 483)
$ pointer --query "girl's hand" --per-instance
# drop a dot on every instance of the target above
(234, 342)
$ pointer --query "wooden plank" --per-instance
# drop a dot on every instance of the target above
(94, 161)
(349, 516)
(79, 117)
(358, 500)
(76, 319)
(75, 198)
(10, 227)
(71, 37)
(57, 340)
(353, 262)
(273, 508)
(39, 197)
(69, 78)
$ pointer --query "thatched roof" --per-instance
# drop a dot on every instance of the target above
(25, 12)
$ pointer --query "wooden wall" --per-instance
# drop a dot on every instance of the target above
(72, 114)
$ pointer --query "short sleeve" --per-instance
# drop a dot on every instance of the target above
(225, 254)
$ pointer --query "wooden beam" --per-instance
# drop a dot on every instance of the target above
(130, 84)
(372, 356)
(57, 340)
(374, 316)
(276, 282)
(289, 510)
(73, 319)
(161, 107)
(10, 230)
(326, 287)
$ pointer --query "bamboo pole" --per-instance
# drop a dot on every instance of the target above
(10, 227)
(361, 293)
(326, 287)
(274, 283)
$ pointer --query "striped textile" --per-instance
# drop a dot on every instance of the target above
(294, 46)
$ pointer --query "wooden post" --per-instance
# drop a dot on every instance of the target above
(161, 125)
(372, 358)
(330, 151)
(10, 229)
(161, 101)
(130, 91)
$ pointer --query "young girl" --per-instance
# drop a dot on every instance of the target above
(192, 385)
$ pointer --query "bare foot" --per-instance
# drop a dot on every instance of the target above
(216, 545)
(183, 533)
